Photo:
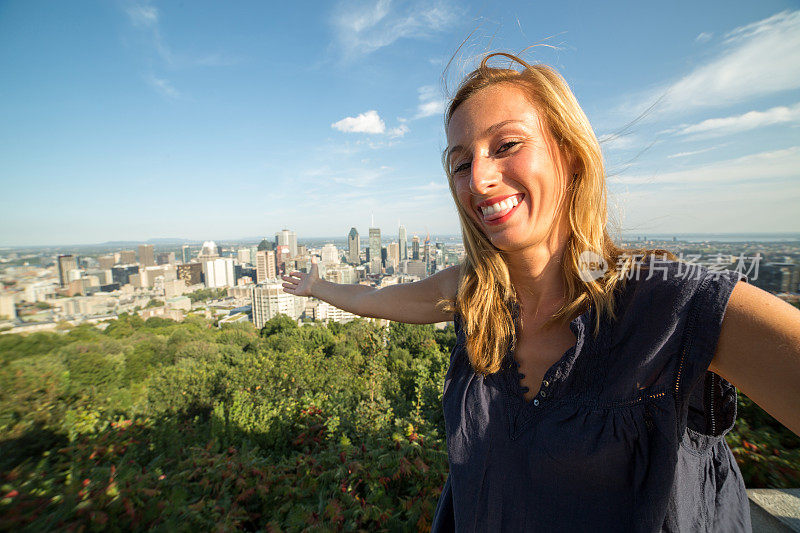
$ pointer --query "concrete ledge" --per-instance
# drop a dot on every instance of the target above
(775, 510)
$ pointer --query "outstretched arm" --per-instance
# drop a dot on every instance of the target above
(413, 303)
(759, 351)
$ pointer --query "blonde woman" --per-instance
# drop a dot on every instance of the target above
(578, 398)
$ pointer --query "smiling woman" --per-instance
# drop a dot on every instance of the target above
(580, 393)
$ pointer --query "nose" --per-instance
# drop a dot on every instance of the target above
(485, 175)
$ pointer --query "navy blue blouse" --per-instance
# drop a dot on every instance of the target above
(625, 434)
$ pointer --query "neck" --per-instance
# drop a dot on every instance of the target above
(536, 274)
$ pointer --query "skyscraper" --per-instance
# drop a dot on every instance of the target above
(65, 264)
(402, 240)
(146, 257)
(266, 267)
(374, 250)
(415, 248)
(186, 254)
(126, 257)
(353, 247)
(288, 238)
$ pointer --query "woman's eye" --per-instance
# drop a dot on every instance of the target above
(461, 167)
(507, 146)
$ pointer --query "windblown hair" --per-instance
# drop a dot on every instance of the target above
(486, 299)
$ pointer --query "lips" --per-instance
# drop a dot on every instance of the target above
(497, 209)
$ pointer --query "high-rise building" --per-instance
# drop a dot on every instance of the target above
(219, 272)
(341, 273)
(402, 239)
(243, 255)
(353, 247)
(393, 255)
(165, 258)
(186, 254)
(146, 257)
(375, 250)
(426, 252)
(127, 257)
(66, 263)
(266, 267)
(208, 251)
(270, 299)
(415, 248)
(106, 262)
(330, 255)
(288, 238)
(122, 274)
(191, 273)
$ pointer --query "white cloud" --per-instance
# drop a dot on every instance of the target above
(399, 131)
(142, 15)
(747, 121)
(704, 37)
(163, 86)
(758, 59)
(430, 102)
(776, 164)
(693, 152)
(369, 122)
(362, 27)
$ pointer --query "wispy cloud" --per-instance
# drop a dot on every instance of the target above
(744, 122)
(757, 59)
(704, 37)
(430, 102)
(776, 164)
(692, 152)
(362, 27)
(163, 86)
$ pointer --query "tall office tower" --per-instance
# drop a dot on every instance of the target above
(393, 255)
(402, 239)
(165, 258)
(288, 238)
(353, 247)
(243, 255)
(191, 273)
(106, 262)
(270, 299)
(374, 250)
(126, 257)
(415, 248)
(219, 272)
(253, 250)
(146, 258)
(427, 253)
(209, 251)
(66, 263)
(330, 255)
(186, 254)
(265, 266)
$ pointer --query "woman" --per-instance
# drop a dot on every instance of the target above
(578, 398)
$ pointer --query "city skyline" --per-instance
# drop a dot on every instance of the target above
(207, 122)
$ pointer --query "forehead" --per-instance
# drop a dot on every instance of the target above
(488, 107)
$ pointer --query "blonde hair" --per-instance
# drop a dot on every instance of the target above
(486, 299)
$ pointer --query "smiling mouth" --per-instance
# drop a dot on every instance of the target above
(500, 209)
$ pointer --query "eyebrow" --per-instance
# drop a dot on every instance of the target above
(488, 131)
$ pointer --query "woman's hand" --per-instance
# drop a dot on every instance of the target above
(301, 284)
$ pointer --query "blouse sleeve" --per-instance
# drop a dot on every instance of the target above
(707, 403)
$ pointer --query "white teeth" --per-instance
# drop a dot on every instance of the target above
(508, 203)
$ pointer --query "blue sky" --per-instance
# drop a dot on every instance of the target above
(220, 120)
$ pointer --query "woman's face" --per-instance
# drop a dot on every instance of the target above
(508, 173)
